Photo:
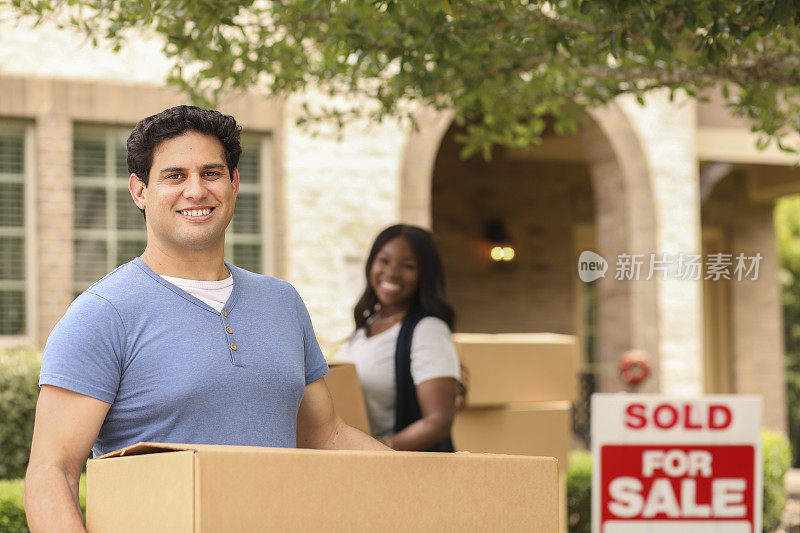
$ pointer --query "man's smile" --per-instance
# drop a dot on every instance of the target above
(196, 213)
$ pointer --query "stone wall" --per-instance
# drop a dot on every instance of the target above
(341, 190)
(47, 51)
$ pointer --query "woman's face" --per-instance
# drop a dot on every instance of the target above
(394, 276)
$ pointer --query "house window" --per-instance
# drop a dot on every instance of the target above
(245, 235)
(109, 228)
(12, 231)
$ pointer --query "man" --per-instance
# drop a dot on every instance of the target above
(178, 345)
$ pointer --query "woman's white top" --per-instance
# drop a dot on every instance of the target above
(214, 293)
(433, 355)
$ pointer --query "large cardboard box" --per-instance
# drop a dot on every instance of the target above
(348, 398)
(542, 428)
(518, 367)
(191, 488)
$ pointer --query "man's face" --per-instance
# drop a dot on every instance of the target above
(190, 197)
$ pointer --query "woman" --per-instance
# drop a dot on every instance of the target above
(402, 349)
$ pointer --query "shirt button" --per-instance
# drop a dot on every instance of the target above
(233, 347)
(229, 330)
(224, 313)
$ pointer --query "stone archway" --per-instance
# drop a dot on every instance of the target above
(628, 312)
(416, 174)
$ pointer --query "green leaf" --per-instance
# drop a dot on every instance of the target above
(503, 60)
(660, 41)
(446, 7)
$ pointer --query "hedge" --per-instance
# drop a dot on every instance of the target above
(579, 492)
(776, 459)
(19, 389)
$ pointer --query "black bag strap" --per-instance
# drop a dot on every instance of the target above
(407, 409)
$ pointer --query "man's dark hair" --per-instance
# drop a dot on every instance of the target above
(175, 121)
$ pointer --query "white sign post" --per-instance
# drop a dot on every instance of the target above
(663, 464)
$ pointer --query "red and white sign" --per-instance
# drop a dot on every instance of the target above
(663, 464)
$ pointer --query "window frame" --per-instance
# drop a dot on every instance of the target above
(262, 188)
(28, 232)
(111, 184)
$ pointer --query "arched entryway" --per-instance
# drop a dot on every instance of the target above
(585, 192)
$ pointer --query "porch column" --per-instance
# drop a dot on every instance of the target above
(668, 133)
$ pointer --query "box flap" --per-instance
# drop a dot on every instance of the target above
(141, 448)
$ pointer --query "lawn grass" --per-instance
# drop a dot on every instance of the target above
(11, 490)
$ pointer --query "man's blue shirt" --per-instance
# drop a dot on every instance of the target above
(175, 370)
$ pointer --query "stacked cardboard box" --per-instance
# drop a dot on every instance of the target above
(519, 400)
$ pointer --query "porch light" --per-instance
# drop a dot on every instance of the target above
(502, 253)
(501, 247)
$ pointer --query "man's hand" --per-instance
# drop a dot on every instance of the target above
(318, 425)
(66, 426)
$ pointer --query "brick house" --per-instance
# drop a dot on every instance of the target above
(680, 177)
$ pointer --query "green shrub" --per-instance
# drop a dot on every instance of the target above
(787, 237)
(579, 492)
(19, 377)
(12, 518)
(12, 513)
(776, 458)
